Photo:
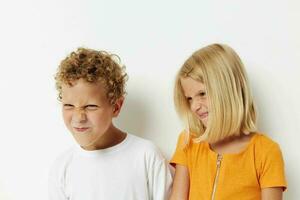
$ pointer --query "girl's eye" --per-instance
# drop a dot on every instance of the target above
(189, 99)
(202, 94)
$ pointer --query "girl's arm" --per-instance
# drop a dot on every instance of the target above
(273, 193)
(181, 183)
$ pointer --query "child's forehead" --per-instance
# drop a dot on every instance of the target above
(82, 83)
(82, 87)
(192, 82)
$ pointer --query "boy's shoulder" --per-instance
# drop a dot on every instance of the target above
(146, 153)
(132, 146)
(143, 145)
(140, 141)
(61, 162)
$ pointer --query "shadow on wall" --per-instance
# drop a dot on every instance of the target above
(271, 122)
(133, 117)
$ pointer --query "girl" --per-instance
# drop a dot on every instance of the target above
(221, 155)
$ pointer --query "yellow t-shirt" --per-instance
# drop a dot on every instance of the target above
(240, 176)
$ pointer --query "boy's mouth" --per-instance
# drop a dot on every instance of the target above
(81, 129)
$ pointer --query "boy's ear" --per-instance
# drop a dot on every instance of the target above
(117, 107)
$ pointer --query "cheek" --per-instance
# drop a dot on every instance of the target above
(67, 115)
(193, 106)
(92, 118)
(207, 104)
(100, 118)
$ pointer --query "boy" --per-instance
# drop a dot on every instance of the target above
(108, 164)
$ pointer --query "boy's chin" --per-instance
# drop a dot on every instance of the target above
(86, 142)
(86, 146)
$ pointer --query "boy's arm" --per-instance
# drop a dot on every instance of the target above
(55, 189)
(160, 180)
(55, 193)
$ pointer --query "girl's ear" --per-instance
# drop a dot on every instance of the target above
(117, 106)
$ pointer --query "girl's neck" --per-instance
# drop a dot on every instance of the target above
(232, 145)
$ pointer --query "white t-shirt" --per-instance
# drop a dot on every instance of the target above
(132, 170)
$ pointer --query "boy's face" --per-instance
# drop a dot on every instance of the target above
(87, 112)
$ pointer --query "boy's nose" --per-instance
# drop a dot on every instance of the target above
(79, 116)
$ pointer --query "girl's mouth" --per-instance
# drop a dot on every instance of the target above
(203, 115)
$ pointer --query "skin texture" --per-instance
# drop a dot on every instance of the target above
(181, 183)
(196, 95)
(88, 115)
(274, 193)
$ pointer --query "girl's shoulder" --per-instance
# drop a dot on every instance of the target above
(263, 140)
(264, 145)
(186, 141)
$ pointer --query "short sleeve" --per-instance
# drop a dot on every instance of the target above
(159, 174)
(180, 155)
(160, 180)
(272, 169)
(55, 190)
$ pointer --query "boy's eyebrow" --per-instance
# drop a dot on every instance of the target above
(83, 107)
(67, 104)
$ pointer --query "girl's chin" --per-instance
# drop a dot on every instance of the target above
(204, 121)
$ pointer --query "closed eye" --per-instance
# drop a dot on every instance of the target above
(68, 106)
(91, 107)
(202, 94)
(189, 99)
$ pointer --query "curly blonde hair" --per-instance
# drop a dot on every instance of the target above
(93, 66)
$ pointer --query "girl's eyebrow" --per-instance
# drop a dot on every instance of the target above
(199, 91)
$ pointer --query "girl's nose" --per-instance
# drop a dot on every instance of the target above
(196, 105)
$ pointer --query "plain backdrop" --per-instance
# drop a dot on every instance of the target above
(153, 38)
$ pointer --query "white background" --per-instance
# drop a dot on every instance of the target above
(153, 38)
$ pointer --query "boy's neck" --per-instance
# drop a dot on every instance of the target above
(112, 137)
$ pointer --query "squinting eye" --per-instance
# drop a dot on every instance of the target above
(68, 107)
(91, 107)
(189, 99)
(202, 94)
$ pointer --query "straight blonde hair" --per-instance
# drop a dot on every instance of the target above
(232, 111)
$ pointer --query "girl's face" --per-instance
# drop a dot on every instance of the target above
(195, 93)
